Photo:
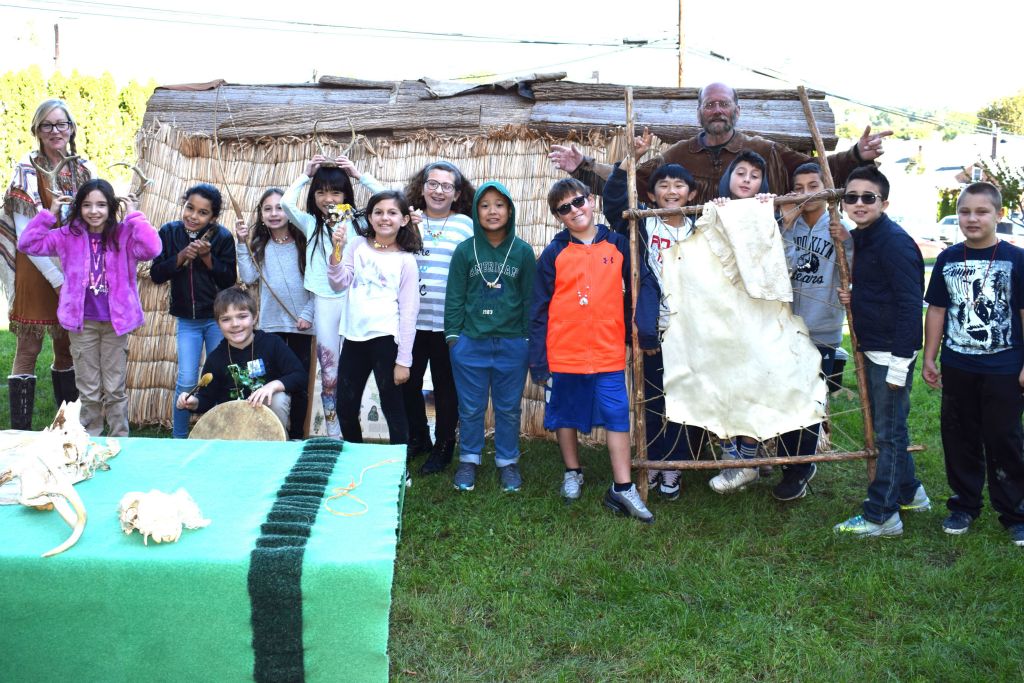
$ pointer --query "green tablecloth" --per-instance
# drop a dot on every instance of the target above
(111, 608)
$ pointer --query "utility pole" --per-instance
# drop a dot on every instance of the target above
(682, 46)
(995, 138)
(56, 47)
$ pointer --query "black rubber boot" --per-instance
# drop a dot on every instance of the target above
(22, 395)
(64, 388)
(439, 458)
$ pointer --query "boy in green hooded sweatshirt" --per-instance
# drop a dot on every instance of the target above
(486, 318)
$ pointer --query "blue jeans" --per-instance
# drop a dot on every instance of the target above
(894, 471)
(192, 334)
(495, 366)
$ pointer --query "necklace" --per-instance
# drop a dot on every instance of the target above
(192, 234)
(670, 230)
(381, 246)
(283, 240)
(492, 284)
(97, 267)
(430, 233)
(981, 287)
(583, 291)
(234, 377)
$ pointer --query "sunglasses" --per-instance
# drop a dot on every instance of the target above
(578, 202)
(868, 198)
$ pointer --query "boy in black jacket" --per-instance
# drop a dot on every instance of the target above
(888, 290)
(249, 364)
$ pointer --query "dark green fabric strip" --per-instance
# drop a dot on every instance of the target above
(275, 565)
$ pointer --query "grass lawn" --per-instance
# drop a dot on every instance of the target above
(494, 587)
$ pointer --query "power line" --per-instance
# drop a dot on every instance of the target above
(261, 24)
(548, 66)
(768, 72)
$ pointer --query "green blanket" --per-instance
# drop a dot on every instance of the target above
(111, 608)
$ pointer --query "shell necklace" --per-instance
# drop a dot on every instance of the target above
(492, 284)
(97, 266)
(430, 233)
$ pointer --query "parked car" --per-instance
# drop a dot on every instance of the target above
(925, 237)
(949, 229)
(1010, 232)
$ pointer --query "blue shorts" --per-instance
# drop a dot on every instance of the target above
(583, 402)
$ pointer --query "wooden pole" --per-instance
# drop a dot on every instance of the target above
(639, 418)
(310, 387)
(682, 46)
(719, 464)
(698, 209)
(844, 282)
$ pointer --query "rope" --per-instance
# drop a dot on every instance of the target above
(346, 491)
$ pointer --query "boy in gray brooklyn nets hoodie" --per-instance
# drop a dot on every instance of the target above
(811, 255)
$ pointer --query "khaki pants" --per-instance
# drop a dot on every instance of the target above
(281, 405)
(101, 367)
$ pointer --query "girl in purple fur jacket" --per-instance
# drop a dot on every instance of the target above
(99, 301)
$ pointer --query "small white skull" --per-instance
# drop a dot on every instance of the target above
(159, 515)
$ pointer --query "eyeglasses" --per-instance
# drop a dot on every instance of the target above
(711, 105)
(433, 186)
(867, 199)
(578, 202)
(61, 126)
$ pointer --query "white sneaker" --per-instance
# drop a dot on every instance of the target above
(920, 503)
(572, 485)
(733, 479)
(628, 503)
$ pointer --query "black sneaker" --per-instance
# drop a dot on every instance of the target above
(1017, 534)
(793, 486)
(439, 458)
(957, 523)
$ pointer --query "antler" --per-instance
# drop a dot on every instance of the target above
(145, 182)
(51, 176)
(356, 138)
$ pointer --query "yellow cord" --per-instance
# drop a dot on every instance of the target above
(346, 491)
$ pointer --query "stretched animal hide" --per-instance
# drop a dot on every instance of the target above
(737, 361)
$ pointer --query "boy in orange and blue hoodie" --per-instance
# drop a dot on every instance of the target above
(578, 339)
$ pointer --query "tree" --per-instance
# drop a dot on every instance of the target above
(1007, 112)
(1008, 178)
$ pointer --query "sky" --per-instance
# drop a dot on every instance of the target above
(933, 55)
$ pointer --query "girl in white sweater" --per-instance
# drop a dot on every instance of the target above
(330, 184)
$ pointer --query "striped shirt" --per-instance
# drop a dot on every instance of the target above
(440, 237)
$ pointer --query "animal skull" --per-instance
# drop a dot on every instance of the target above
(51, 462)
(159, 515)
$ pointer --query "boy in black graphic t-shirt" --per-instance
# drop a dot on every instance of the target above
(975, 310)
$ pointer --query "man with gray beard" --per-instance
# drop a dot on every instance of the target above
(710, 152)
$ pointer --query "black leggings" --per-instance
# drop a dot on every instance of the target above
(358, 360)
(431, 347)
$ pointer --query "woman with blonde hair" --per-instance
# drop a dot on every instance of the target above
(38, 279)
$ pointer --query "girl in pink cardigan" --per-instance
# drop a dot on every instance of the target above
(99, 301)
